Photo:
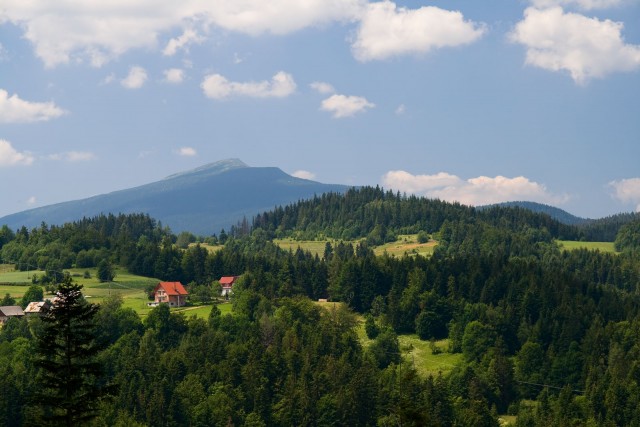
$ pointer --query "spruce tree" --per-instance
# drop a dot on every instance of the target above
(69, 387)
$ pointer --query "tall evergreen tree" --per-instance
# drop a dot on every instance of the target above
(69, 388)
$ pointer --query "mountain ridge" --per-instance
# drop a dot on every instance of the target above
(217, 195)
(202, 200)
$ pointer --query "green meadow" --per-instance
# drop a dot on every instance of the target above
(570, 245)
(419, 353)
(129, 286)
(210, 248)
(406, 244)
(316, 247)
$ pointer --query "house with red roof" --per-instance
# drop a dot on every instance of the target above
(227, 285)
(172, 293)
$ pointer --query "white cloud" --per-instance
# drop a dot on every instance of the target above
(627, 191)
(417, 184)
(401, 110)
(174, 75)
(135, 79)
(322, 87)
(16, 110)
(10, 157)
(218, 87)
(475, 191)
(387, 30)
(187, 151)
(189, 36)
(74, 156)
(304, 174)
(237, 58)
(108, 80)
(32, 200)
(345, 106)
(98, 31)
(582, 4)
(279, 16)
(585, 47)
(80, 156)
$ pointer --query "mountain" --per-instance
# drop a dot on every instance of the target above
(555, 213)
(203, 200)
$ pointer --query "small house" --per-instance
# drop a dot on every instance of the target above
(8, 311)
(172, 293)
(227, 285)
(37, 308)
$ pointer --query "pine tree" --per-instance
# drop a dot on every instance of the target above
(69, 389)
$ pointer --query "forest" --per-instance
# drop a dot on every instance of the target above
(547, 336)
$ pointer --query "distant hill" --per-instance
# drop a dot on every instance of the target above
(555, 213)
(202, 200)
(594, 230)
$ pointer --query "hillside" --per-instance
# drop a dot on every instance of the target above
(518, 325)
(595, 230)
(554, 212)
(202, 201)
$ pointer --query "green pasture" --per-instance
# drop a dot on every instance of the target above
(419, 354)
(570, 245)
(507, 420)
(208, 247)
(316, 247)
(130, 287)
(16, 291)
(407, 244)
(15, 283)
(9, 275)
(203, 311)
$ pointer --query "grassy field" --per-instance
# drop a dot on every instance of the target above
(419, 353)
(316, 247)
(16, 291)
(570, 245)
(203, 311)
(9, 275)
(129, 286)
(15, 283)
(407, 244)
(208, 247)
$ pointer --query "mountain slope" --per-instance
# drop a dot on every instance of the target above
(555, 213)
(201, 201)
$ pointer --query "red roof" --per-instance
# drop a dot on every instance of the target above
(172, 288)
(228, 280)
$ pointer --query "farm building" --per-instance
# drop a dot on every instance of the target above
(8, 311)
(227, 285)
(37, 308)
(172, 293)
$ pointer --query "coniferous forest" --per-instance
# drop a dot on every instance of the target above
(548, 336)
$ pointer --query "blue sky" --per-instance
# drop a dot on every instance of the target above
(478, 102)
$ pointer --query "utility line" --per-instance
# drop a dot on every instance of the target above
(550, 386)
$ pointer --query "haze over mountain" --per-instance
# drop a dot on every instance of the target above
(203, 200)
